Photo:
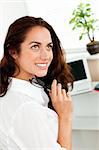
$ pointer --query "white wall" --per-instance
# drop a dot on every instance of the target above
(10, 10)
(58, 13)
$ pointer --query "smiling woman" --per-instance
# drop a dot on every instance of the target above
(36, 54)
(36, 110)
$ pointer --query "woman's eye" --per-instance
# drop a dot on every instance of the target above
(50, 47)
(35, 47)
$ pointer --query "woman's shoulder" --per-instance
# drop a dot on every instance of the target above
(13, 102)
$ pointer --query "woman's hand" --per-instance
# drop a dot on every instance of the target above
(61, 101)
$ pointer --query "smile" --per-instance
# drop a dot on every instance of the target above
(42, 65)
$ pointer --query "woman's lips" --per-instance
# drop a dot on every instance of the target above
(42, 65)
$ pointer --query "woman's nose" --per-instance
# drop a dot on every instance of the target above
(44, 54)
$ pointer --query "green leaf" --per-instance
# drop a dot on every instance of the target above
(82, 18)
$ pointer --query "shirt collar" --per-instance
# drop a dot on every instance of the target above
(36, 93)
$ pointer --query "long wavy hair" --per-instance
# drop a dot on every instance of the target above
(15, 36)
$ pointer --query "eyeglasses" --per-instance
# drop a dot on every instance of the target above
(39, 83)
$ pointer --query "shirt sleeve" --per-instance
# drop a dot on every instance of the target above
(31, 131)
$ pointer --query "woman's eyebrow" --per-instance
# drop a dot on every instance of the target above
(34, 42)
(39, 42)
(50, 43)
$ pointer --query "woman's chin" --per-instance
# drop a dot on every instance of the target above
(41, 74)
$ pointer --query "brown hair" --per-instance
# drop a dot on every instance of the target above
(16, 35)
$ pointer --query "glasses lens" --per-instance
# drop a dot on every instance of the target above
(39, 83)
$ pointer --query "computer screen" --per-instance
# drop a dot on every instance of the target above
(81, 73)
(78, 70)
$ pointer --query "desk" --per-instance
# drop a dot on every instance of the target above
(86, 121)
(86, 111)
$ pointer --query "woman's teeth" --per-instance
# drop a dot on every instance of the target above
(41, 65)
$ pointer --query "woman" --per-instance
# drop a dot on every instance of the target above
(36, 110)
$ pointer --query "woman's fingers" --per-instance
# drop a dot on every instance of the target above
(64, 94)
(54, 90)
(59, 92)
(69, 96)
(61, 100)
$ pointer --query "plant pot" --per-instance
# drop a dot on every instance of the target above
(93, 47)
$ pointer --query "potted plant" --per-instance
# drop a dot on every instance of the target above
(82, 18)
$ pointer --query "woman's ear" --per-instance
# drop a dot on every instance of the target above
(13, 53)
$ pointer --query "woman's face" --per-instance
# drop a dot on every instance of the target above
(36, 54)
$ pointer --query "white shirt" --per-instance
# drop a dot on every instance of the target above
(26, 119)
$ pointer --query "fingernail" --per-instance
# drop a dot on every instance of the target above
(59, 84)
(55, 81)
